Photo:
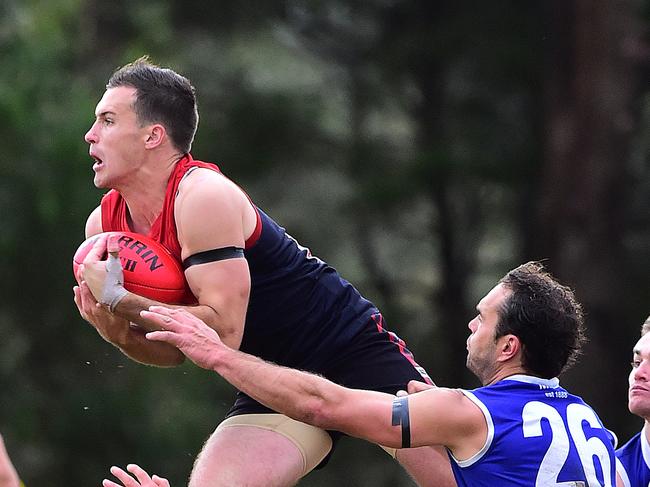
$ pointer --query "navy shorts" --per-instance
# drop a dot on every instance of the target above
(376, 359)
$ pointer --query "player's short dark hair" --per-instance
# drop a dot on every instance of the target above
(645, 328)
(162, 96)
(545, 316)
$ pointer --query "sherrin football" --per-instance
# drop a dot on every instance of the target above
(150, 270)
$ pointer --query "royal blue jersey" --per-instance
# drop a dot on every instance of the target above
(538, 435)
(633, 463)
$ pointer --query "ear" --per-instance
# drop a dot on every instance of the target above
(155, 136)
(509, 347)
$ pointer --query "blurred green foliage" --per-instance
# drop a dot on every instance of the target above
(422, 148)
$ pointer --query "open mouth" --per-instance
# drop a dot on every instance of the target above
(98, 162)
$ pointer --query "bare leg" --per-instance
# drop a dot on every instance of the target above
(259, 450)
(247, 456)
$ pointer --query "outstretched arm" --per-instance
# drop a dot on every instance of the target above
(437, 416)
(304, 397)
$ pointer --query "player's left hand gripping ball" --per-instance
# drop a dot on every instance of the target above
(148, 269)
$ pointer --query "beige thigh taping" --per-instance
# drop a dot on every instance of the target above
(391, 451)
(313, 443)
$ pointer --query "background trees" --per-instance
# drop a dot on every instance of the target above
(423, 148)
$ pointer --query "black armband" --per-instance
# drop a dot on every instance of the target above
(401, 417)
(213, 256)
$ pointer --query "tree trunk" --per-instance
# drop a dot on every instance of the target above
(581, 208)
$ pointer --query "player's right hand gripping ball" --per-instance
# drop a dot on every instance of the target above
(150, 270)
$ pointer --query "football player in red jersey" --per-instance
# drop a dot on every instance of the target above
(263, 292)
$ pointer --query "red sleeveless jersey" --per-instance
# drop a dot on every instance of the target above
(301, 312)
(163, 230)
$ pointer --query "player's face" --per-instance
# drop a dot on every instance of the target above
(639, 391)
(481, 345)
(116, 139)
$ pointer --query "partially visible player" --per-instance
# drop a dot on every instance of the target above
(633, 466)
(139, 478)
(520, 429)
(8, 474)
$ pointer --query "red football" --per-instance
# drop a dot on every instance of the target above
(150, 270)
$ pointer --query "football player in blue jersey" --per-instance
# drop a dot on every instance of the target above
(633, 458)
(520, 429)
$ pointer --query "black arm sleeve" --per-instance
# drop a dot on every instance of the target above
(213, 256)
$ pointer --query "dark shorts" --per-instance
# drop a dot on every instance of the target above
(376, 359)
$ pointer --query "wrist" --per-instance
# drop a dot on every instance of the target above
(222, 356)
(114, 290)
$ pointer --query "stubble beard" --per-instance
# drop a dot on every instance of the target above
(480, 367)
